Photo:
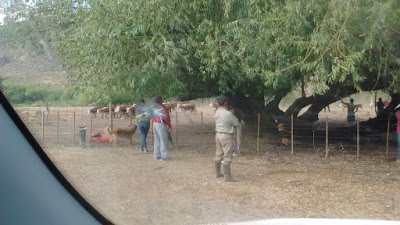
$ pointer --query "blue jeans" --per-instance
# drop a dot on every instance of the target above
(398, 146)
(144, 127)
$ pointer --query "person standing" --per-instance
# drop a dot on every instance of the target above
(225, 123)
(143, 124)
(380, 105)
(397, 114)
(351, 110)
(161, 127)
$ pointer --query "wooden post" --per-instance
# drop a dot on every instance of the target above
(387, 139)
(176, 130)
(152, 133)
(238, 138)
(358, 140)
(291, 133)
(73, 128)
(42, 125)
(313, 139)
(58, 126)
(326, 139)
(110, 114)
(91, 126)
(130, 123)
(202, 136)
(258, 135)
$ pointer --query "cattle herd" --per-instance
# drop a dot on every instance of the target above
(124, 111)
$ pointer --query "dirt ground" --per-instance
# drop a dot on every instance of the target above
(130, 187)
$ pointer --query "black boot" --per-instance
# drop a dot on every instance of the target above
(218, 169)
(227, 172)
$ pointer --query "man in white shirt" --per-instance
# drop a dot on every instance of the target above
(225, 123)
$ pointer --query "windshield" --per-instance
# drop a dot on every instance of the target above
(182, 112)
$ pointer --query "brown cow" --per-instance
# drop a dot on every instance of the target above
(105, 111)
(131, 110)
(186, 107)
(121, 110)
(93, 111)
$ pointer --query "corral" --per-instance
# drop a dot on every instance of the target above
(129, 187)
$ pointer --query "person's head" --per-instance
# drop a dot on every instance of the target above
(351, 101)
(223, 100)
(380, 99)
(158, 99)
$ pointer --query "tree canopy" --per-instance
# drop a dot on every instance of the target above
(253, 48)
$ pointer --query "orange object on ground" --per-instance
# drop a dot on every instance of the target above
(100, 139)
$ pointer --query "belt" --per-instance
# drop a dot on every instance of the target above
(224, 133)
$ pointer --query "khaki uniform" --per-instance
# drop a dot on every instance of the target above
(225, 123)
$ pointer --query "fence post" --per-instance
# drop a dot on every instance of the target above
(176, 132)
(202, 136)
(291, 132)
(152, 133)
(58, 126)
(358, 140)
(73, 131)
(110, 114)
(326, 139)
(258, 135)
(91, 126)
(387, 139)
(130, 123)
(42, 125)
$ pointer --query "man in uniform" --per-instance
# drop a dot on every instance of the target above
(225, 123)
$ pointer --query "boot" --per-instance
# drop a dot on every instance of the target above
(218, 169)
(227, 172)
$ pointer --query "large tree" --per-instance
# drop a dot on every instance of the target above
(247, 49)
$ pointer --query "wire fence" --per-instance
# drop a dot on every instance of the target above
(195, 130)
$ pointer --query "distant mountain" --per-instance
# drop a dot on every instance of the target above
(24, 68)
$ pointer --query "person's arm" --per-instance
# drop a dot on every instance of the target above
(234, 120)
(167, 120)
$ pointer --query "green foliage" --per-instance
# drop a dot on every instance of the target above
(28, 94)
(123, 49)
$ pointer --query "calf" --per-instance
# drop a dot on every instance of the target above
(186, 107)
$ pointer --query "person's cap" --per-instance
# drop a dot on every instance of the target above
(221, 99)
(397, 107)
(158, 99)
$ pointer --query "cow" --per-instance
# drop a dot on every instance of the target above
(131, 110)
(186, 107)
(170, 106)
(105, 110)
(93, 111)
(121, 110)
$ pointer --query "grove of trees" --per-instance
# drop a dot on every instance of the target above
(255, 50)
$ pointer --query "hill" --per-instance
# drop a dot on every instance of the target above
(23, 67)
